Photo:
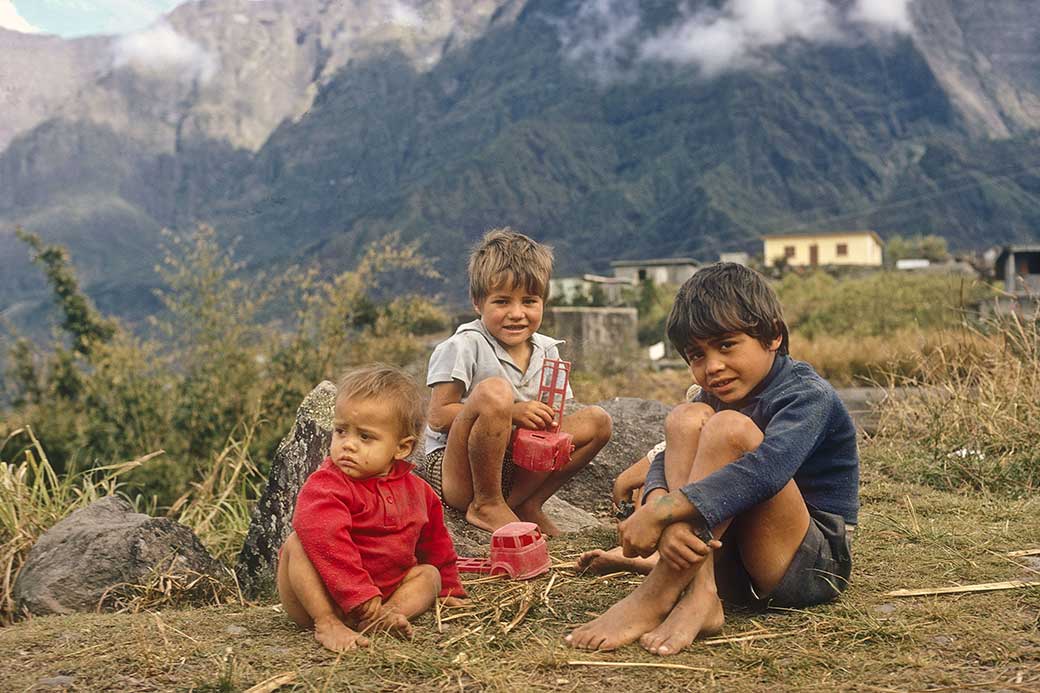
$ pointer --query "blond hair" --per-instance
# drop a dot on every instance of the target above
(507, 258)
(390, 385)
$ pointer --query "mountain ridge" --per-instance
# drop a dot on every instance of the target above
(504, 125)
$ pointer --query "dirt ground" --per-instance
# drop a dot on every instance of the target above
(511, 639)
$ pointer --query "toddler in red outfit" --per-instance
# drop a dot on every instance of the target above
(369, 547)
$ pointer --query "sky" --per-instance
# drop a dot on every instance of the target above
(71, 18)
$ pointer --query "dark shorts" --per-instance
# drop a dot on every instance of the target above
(818, 573)
(433, 472)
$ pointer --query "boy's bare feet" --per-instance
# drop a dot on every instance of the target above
(390, 621)
(529, 512)
(636, 614)
(490, 516)
(334, 635)
(698, 614)
(602, 562)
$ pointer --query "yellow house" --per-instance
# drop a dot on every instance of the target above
(860, 248)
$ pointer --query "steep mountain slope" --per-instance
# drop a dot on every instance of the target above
(308, 128)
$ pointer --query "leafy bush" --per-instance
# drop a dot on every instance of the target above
(877, 304)
(220, 368)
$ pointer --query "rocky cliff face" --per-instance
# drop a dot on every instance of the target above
(39, 73)
(986, 55)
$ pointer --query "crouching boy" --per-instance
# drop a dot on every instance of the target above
(764, 459)
(369, 547)
(485, 383)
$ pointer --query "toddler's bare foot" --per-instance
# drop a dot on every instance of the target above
(390, 621)
(636, 614)
(535, 514)
(602, 562)
(698, 614)
(334, 635)
(490, 516)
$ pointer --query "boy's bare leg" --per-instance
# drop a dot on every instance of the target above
(307, 602)
(646, 608)
(603, 561)
(591, 428)
(629, 480)
(472, 470)
(636, 614)
(682, 431)
(768, 536)
(413, 596)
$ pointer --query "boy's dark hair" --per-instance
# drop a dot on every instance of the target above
(391, 386)
(504, 256)
(726, 297)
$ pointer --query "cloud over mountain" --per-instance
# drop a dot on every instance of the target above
(160, 51)
(737, 35)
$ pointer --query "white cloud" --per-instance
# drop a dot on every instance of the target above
(736, 35)
(404, 15)
(10, 19)
(160, 50)
(892, 15)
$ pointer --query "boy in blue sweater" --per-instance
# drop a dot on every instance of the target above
(755, 495)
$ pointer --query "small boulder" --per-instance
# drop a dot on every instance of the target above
(299, 454)
(75, 563)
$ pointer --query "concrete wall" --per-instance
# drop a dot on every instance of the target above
(596, 337)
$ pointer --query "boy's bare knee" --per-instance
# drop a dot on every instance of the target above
(602, 424)
(492, 394)
(687, 419)
(734, 429)
(291, 546)
(428, 573)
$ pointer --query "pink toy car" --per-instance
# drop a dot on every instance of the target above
(517, 549)
(548, 450)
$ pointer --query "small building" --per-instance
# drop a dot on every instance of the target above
(852, 248)
(672, 270)
(1018, 268)
(588, 289)
(737, 256)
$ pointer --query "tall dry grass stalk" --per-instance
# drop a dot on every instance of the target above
(970, 417)
(33, 498)
(219, 507)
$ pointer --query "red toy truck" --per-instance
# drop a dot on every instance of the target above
(550, 449)
(517, 549)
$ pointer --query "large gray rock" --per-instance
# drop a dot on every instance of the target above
(638, 426)
(100, 547)
(299, 454)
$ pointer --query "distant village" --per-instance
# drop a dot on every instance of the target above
(594, 313)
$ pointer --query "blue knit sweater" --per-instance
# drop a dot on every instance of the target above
(808, 436)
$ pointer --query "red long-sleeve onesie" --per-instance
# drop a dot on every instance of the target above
(364, 535)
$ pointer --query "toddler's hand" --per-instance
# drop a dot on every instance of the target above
(681, 547)
(452, 602)
(533, 414)
(366, 611)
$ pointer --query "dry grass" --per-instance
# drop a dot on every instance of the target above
(972, 420)
(511, 637)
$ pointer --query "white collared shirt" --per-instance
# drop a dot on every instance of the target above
(472, 355)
